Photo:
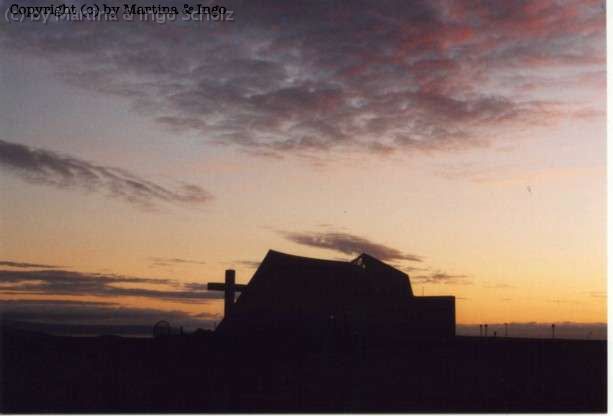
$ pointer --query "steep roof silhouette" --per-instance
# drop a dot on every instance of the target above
(376, 267)
(280, 274)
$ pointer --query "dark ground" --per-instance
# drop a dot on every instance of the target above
(43, 373)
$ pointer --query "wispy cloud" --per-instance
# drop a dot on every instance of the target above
(63, 282)
(197, 287)
(349, 244)
(425, 76)
(22, 265)
(248, 264)
(40, 166)
(411, 269)
(169, 261)
(442, 278)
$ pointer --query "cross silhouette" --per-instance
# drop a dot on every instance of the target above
(229, 288)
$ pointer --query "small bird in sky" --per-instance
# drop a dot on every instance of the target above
(529, 189)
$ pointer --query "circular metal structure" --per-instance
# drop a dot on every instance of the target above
(161, 328)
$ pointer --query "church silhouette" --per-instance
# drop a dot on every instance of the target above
(301, 296)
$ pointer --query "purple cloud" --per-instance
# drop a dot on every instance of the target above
(349, 244)
(311, 78)
(40, 166)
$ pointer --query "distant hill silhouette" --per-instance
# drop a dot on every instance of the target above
(219, 374)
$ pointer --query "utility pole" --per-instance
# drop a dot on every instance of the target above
(553, 331)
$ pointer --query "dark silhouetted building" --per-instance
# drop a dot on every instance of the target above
(307, 296)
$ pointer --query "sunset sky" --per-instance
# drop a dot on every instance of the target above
(463, 142)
